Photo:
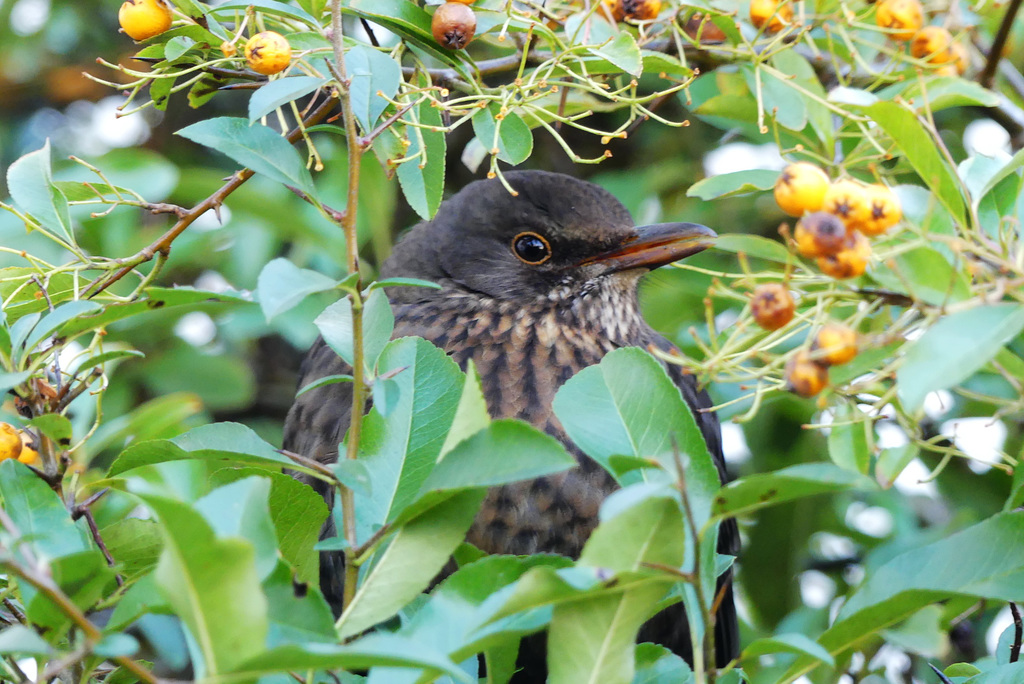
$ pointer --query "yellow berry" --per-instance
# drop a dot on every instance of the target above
(801, 188)
(902, 17)
(835, 345)
(638, 10)
(228, 49)
(934, 44)
(885, 210)
(268, 53)
(772, 306)
(29, 455)
(142, 19)
(10, 442)
(846, 199)
(849, 262)
(805, 377)
(819, 234)
(770, 14)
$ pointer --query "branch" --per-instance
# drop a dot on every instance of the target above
(1018, 633)
(162, 245)
(995, 53)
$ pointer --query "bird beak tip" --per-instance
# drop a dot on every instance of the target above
(658, 244)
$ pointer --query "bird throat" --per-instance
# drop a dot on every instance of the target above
(523, 352)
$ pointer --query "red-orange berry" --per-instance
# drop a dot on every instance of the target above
(835, 345)
(805, 377)
(849, 262)
(453, 25)
(819, 234)
(772, 306)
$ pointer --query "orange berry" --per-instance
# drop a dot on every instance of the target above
(29, 455)
(819, 234)
(268, 53)
(637, 10)
(142, 19)
(885, 210)
(10, 442)
(772, 306)
(453, 25)
(801, 188)
(934, 44)
(770, 14)
(835, 345)
(805, 377)
(849, 262)
(228, 49)
(902, 17)
(846, 199)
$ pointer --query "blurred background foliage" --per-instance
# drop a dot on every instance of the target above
(225, 362)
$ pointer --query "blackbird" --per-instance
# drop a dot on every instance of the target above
(534, 287)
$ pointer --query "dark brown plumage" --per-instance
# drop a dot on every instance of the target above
(528, 327)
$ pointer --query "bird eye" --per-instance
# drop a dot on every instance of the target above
(531, 248)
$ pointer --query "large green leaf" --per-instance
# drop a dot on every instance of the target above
(418, 551)
(400, 450)
(240, 509)
(229, 442)
(623, 52)
(212, 585)
(282, 285)
(848, 439)
(954, 349)
(296, 615)
(375, 78)
(924, 274)
(593, 640)
(962, 564)
(39, 513)
(506, 135)
(254, 146)
(278, 93)
(53, 321)
(335, 324)
(422, 180)
(30, 182)
(921, 151)
(756, 491)
(733, 184)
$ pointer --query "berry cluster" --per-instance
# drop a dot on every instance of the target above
(835, 216)
(904, 20)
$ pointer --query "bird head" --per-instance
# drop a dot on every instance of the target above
(557, 236)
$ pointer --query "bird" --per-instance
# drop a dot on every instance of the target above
(535, 285)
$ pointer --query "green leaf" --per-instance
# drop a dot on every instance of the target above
(921, 151)
(155, 298)
(335, 324)
(9, 381)
(471, 415)
(623, 52)
(278, 93)
(254, 146)
(39, 513)
(374, 650)
(296, 616)
(506, 135)
(321, 382)
(240, 509)
(83, 577)
(423, 183)
(230, 442)
(755, 246)
(504, 451)
(404, 282)
(795, 482)
(101, 359)
(177, 47)
(925, 274)
(375, 78)
(955, 348)
(282, 285)
(134, 544)
(848, 439)
(55, 426)
(787, 643)
(962, 564)
(279, 9)
(394, 581)
(211, 584)
(949, 91)
(593, 640)
(779, 100)
(655, 664)
(52, 322)
(23, 641)
(734, 184)
(400, 450)
(30, 182)
(802, 75)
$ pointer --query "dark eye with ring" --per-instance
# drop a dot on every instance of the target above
(531, 248)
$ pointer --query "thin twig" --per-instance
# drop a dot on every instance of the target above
(995, 53)
(310, 463)
(162, 245)
(1018, 633)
